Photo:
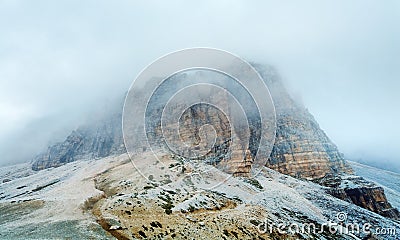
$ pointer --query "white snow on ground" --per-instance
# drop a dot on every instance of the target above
(8, 173)
(63, 189)
(286, 199)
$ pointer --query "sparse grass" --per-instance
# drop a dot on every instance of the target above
(13, 211)
(165, 181)
(188, 181)
(46, 185)
(167, 206)
(254, 182)
(191, 208)
(237, 199)
(255, 222)
(90, 202)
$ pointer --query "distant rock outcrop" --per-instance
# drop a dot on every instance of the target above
(361, 192)
(373, 199)
(97, 140)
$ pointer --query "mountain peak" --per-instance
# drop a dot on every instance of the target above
(301, 148)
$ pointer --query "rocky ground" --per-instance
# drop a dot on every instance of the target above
(108, 198)
(50, 204)
(389, 181)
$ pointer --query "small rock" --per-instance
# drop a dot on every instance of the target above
(115, 227)
(192, 219)
(202, 224)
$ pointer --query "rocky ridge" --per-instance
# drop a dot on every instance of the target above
(92, 141)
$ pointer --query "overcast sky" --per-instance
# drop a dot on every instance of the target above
(60, 59)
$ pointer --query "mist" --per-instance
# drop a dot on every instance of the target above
(62, 60)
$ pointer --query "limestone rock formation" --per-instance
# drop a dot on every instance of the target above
(301, 147)
(93, 141)
(363, 193)
(373, 199)
(303, 150)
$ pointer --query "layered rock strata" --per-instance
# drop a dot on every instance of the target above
(361, 192)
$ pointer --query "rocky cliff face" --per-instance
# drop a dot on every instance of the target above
(226, 155)
(301, 147)
(303, 150)
(373, 199)
(93, 141)
(361, 192)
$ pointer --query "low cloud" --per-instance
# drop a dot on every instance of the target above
(61, 59)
